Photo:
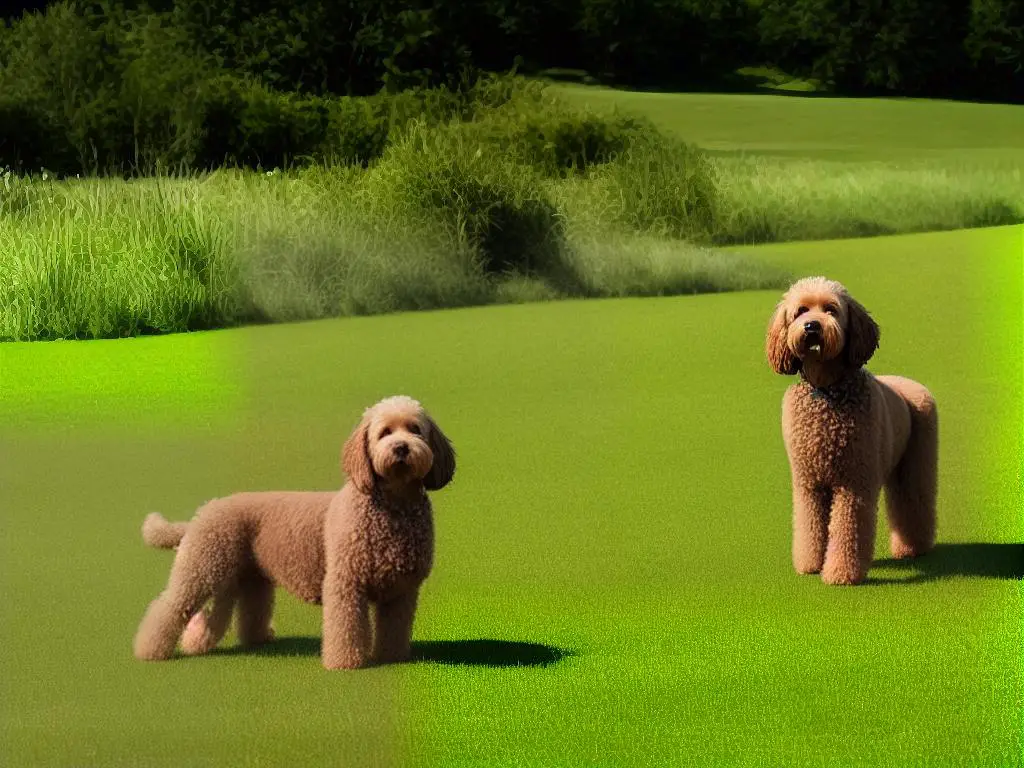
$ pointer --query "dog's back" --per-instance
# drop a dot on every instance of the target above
(277, 534)
(288, 538)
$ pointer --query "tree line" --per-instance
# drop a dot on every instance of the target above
(93, 85)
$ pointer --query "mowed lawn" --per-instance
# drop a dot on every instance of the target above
(894, 130)
(619, 527)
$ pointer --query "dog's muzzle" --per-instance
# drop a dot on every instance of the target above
(812, 336)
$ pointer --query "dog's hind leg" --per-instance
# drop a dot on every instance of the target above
(205, 566)
(255, 607)
(205, 630)
(910, 493)
(166, 617)
(393, 636)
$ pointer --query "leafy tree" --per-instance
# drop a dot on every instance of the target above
(995, 48)
(864, 46)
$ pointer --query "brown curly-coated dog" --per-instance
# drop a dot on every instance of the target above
(848, 434)
(372, 542)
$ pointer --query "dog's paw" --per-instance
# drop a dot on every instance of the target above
(842, 577)
(902, 550)
(196, 638)
(257, 640)
(346, 662)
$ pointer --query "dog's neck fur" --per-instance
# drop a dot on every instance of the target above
(822, 374)
(839, 387)
(399, 496)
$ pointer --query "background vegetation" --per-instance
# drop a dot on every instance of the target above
(184, 165)
(94, 86)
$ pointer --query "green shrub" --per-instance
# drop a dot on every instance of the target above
(557, 141)
(357, 130)
(526, 123)
(496, 205)
(663, 186)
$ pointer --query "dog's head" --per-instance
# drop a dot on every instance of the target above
(818, 320)
(397, 441)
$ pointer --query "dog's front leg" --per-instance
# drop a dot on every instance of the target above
(346, 637)
(851, 536)
(393, 638)
(810, 526)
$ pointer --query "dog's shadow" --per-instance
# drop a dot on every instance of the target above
(460, 653)
(976, 560)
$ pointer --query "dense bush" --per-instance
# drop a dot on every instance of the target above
(129, 92)
(497, 205)
(528, 125)
(55, 75)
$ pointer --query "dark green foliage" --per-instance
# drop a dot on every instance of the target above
(29, 137)
(326, 46)
(527, 126)
(127, 86)
(666, 42)
(911, 47)
(995, 47)
(91, 89)
(242, 123)
(55, 79)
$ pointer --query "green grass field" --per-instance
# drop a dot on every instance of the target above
(618, 525)
(900, 131)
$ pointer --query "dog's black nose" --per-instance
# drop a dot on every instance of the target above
(401, 450)
(812, 326)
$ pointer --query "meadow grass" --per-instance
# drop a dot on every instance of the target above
(772, 199)
(101, 258)
(612, 581)
(895, 131)
(533, 193)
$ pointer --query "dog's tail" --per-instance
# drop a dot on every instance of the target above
(158, 532)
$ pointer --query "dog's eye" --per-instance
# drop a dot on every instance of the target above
(384, 432)
(800, 311)
(414, 428)
(831, 309)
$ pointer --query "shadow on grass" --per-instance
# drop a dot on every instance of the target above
(487, 653)
(976, 560)
(461, 653)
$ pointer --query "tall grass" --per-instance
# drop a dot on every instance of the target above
(768, 200)
(520, 198)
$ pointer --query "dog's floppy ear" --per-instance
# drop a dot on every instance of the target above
(443, 468)
(355, 457)
(862, 334)
(776, 346)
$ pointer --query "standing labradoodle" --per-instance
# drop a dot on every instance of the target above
(371, 542)
(848, 434)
